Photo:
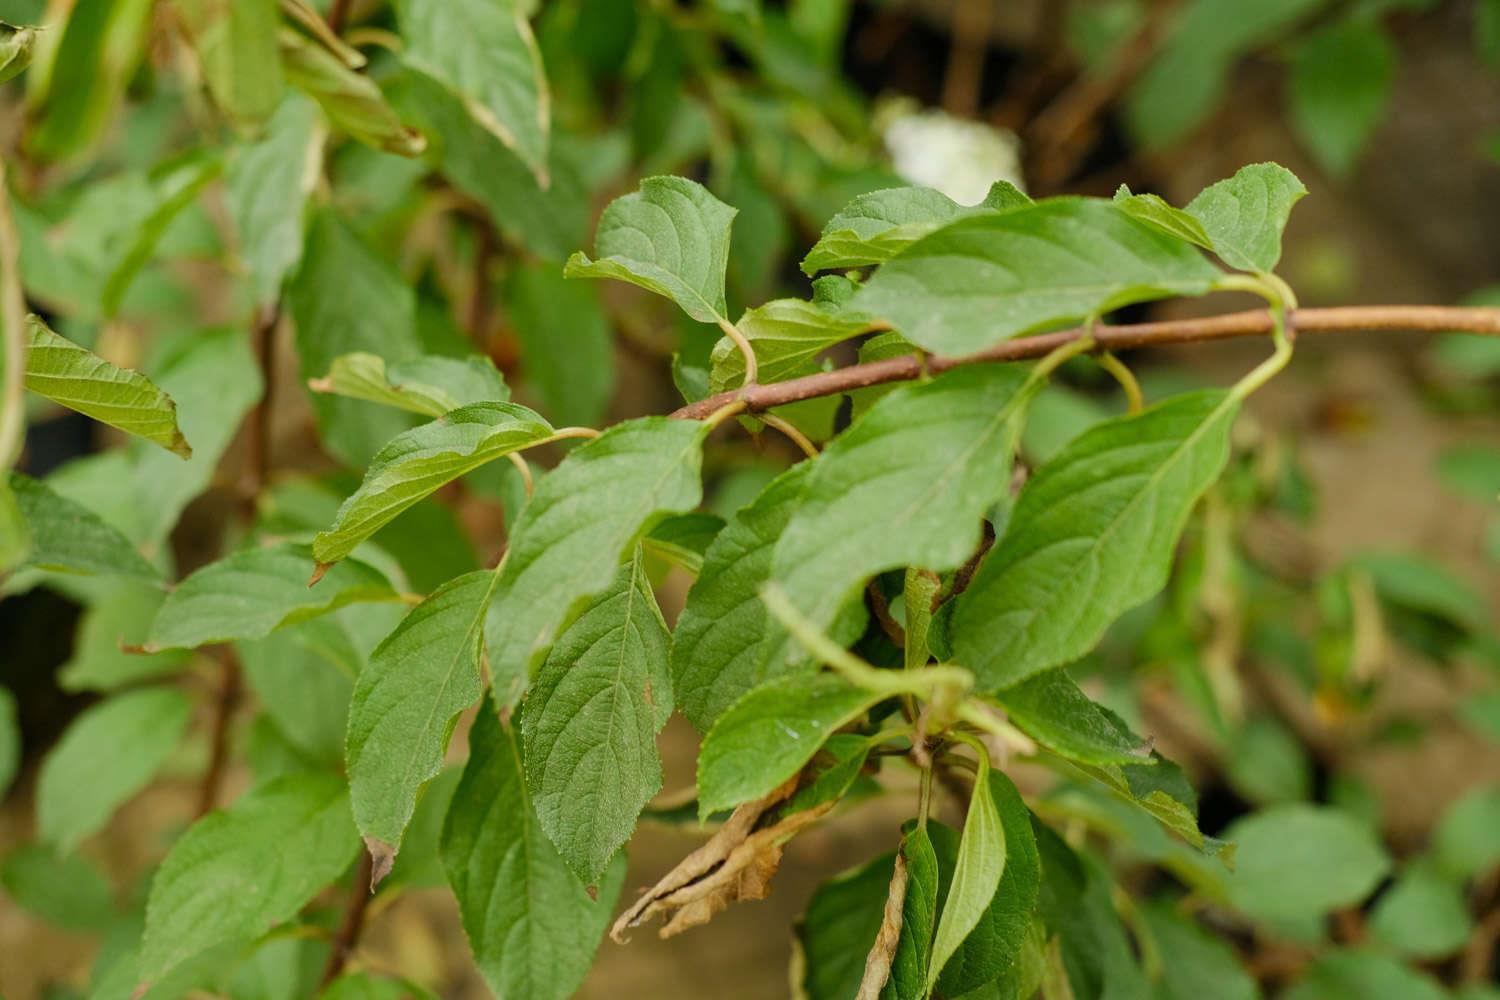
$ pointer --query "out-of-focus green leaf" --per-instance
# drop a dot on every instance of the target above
(1195, 963)
(302, 677)
(16, 44)
(67, 537)
(484, 52)
(1466, 842)
(237, 873)
(100, 46)
(565, 343)
(352, 100)
(235, 41)
(1340, 83)
(430, 384)
(108, 754)
(1420, 584)
(1266, 764)
(10, 741)
(1423, 916)
(79, 379)
(1296, 861)
(1361, 975)
(66, 891)
(174, 186)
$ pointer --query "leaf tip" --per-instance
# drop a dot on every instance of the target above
(319, 571)
(382, 860)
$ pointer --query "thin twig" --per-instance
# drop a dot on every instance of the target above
(352, 924)
(218, 733)
(258, 426)
(1249, 323)
(338, 14)
(881, 609)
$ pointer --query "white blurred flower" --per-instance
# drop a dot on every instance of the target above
(958, 157)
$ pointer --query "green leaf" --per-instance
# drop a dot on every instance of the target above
(79, 379)
(980, 280)
(66, 891)
(430, 384)
(877, 226)
(1053, 710)
(351, 100)
(1076, 906)
(67, 537)
(15, 536)
(484, 52)
(1298, 861)
(107, 755)
(585, 515)
(670, 237)
(10, 741)
(1196, 963)
(1240, 219)
(236, 873)
(532, 925)
(238, 55)
(1340, 84)
(174, 187)
(976, 873)
(1466, 842)
(346, 298)
(908, 975)
(591, 719)
(266, 189)
(1424, 916)
(1419, 583)
(1092, 535)
(839, 761)
(1472, 471)
(119, 617)
(716, 648)
(255, 591)
(839, 926)
(1360, 975)
(1266, 763)
(766, 736)
(367, 986)
(683, 539)
(907, 485)
(302, 677)
(787, 336)
(405, 704)
(99, 48)
(415, 464)
(16, 44)
(566, 343)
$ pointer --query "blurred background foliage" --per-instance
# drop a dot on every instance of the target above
(1325, 663)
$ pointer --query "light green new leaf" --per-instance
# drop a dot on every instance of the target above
(405, 704)
(1240, 219)
(787, 335)
(79, 379)
(671, 237)
(766, 736)
(235, 41)
(484, 52)
(976, 874)
(532, 925)
(1054, 711)
(590, 723)
(351, 100)
(418, 462)
(237, 873)
(982, 279)
(108, 754)
(877, 226)
(583, 518)
(16, 45)
(10, 740)
(716, 648)
(346, 298)
(1298, 861)
(430, 385)
(1340, 84)
(907, 485)
(266, 188)
(253, 592)
(67, 537)
(1092, 535)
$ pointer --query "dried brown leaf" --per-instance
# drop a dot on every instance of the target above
(883, 952)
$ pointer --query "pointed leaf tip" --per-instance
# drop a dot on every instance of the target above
(382, 860)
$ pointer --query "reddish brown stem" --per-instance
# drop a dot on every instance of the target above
(218, 734)
(338, 14)
(347, 936)
(258, 425)
(1250, 323)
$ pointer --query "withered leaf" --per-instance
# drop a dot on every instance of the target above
(883, 951)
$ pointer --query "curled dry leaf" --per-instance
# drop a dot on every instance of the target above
(735, 864)
(883, 952)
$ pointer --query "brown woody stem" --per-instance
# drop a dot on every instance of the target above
(1250, 323)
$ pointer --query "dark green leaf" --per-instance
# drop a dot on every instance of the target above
(236, 873)
(908, 975)
(1054, 711)
(839, 927)
(415, 464)
(584, 517)
(532, 925)
(107, 755)
(255, 591)
(565, 343)
(302, 677)
(1195, 963)
(10, 741)
(683, 539)
(787, 335)
(81, 380)
(405, 704)
(1092, 535)
(590, 723)
(67, 537)
(983, 279)
(671, 237)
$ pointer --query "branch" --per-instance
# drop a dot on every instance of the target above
(218, 736)
(353, 922)
(1250, 323)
